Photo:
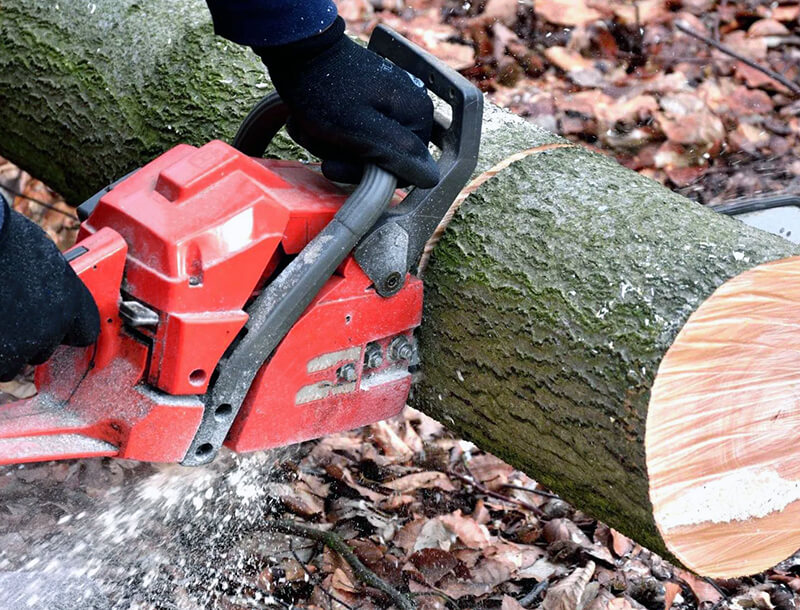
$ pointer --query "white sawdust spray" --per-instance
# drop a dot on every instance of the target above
(166, 536)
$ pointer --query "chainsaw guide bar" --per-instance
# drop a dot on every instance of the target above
(245, 302)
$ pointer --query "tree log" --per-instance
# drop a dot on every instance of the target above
(555, 331)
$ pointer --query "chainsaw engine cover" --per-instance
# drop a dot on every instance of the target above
(173, 255)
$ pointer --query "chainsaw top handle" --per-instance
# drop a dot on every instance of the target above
(393, 245)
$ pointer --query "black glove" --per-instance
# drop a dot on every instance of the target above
(349, 106)
(42, 301)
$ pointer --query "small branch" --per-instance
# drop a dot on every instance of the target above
(448, 601)
(493, 494)
(534, 594)
(44, 204)
(789, 84)
(538, 492)
(311, 578)
(336, 543)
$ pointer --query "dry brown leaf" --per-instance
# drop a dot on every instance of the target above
(509, 603)
(355, 10)
(569, 594)
(587, 103)
(621, 545)
(342, 582)
(18, 388)
(568, 60)
(433, 564)
(754, 599)
(434, 534)
(630, 110)
(702, 590)
(471, 533)
(490, 470)
(786, 13)
(564, 529)
(421, 480)
(767, 27)
(671, 591)
(426, 30)
(504, 11)
(337, 468)
(649, 11)
(752, 48)
(412, 440)
(566, 12)
(391, 444)
(406, 537)
(426, 426)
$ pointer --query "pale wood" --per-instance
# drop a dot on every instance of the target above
(723, 427)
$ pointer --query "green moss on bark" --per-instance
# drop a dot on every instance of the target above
(550, 302)
(92, 90)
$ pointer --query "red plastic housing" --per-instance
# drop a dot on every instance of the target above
(193, 236)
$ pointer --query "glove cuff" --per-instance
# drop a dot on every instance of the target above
(5, 217)
(299, 52)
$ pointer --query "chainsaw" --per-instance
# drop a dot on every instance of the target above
(245, 302)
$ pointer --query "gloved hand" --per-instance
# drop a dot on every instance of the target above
(348, 106)
(42, 301)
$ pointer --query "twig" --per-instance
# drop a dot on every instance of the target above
(335, 542)
(791, 85)
(448, 601)
(493, 494)
(311, 578)
(538, 492)
(535, 592)
(49, 206)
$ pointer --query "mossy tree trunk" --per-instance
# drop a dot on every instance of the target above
(551, 298)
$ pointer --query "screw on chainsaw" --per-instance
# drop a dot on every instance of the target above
(373, 356)
(401, 349)
(347, 373)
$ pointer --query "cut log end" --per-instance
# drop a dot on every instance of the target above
(721, 441)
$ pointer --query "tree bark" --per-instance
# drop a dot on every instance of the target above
(551, 298)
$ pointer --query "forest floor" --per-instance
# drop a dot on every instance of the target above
(714, 115)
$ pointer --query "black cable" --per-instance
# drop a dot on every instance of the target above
(49, 206)
(742, 206)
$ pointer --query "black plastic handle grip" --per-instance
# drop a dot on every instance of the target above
(394, 245)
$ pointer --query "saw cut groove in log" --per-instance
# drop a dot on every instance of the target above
(722, 426)
(555, 298)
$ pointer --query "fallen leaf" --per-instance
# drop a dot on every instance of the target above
(621, 544)
(569, 593)
(471, 533)
(566, 12)
(434, 534)
(421, 480)
(568, 60)
(493, 472)
(767, 27)
(391, 444)
(433, 563)
(504, 11)
(671, 590)
(509, 603)
(702, 590)
(18, 388)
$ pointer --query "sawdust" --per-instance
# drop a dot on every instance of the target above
(116, 534)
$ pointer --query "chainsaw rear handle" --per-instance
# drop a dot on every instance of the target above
(393, 246)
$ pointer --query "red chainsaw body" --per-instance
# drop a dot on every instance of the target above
(193, 236)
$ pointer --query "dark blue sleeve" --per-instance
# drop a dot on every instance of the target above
(267, 23)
